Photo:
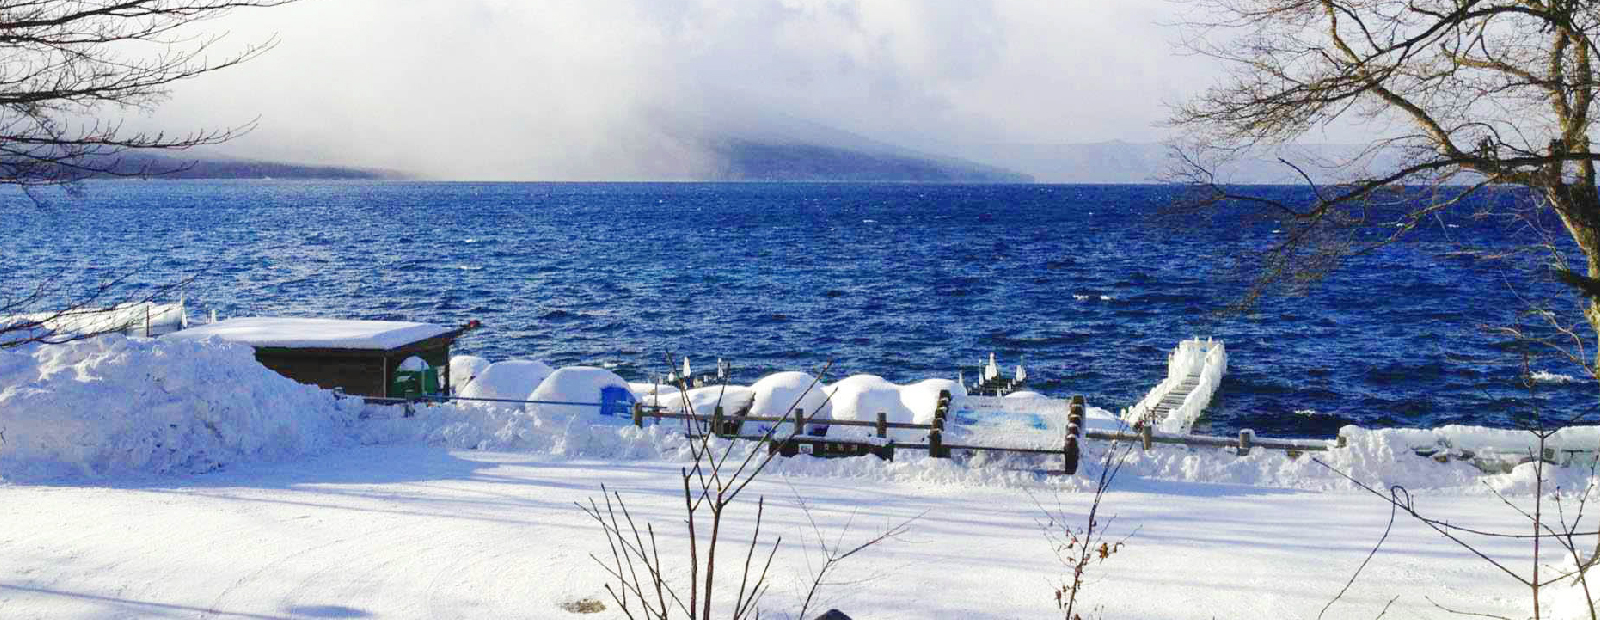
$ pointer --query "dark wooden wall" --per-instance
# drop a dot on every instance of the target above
(358, 372)
(359, 375)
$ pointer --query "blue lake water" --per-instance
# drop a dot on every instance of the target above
(1077, 283)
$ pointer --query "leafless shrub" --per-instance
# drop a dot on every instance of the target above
(644, 584)
(1080, 545)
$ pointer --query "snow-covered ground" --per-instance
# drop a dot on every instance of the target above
(310, 507)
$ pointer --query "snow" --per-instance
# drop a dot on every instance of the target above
(922, 397)
(464, 369)
(415, 531)
(1567, 600)
(705, 400)
(134, 318)
(779, 394)
(313, 333)
(863, 397)
(508, 380)
(413, 364)
(113, 405)
(577, 384)
(317, 507)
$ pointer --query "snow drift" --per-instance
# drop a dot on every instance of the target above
(112, 405)
(508, 380)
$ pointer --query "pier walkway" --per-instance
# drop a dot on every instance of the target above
(1194, 370)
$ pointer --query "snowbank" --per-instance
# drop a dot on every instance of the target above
(509, 380)
(145, 318)
(922, 397)
(113, 405)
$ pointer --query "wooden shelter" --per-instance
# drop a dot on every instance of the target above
(360, 357)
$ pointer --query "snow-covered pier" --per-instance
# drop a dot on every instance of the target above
(1194, 371)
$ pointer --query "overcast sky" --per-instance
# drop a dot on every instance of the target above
(611, 89)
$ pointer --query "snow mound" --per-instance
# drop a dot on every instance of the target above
(922, 398)
(510, 380)
(464, 369)
(643, 391)
(578, 384)
(778, 394)
(111, 405)
(863, 397)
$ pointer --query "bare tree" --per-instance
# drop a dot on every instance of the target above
(63, 63)
(64, 66)
(1467, 95)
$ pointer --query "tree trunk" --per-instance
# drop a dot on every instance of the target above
(1581, 217)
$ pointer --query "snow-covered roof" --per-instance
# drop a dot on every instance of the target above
(263, 331)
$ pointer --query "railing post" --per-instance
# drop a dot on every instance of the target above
(936, 433)
(638, 414)
(1246, 437)
(883, 424)
(1070, 450)
(799, 421)
(716, 421)
(1146, 436)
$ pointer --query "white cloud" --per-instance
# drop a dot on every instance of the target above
(605, 89)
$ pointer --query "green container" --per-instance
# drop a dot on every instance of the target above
(413, 383)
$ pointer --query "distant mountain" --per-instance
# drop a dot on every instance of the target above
(737, 141)
(200, 166)
(739, 159)
(1124, 162)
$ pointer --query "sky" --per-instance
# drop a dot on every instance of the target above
(632, 89)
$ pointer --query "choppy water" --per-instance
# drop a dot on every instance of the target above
(904, 281)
